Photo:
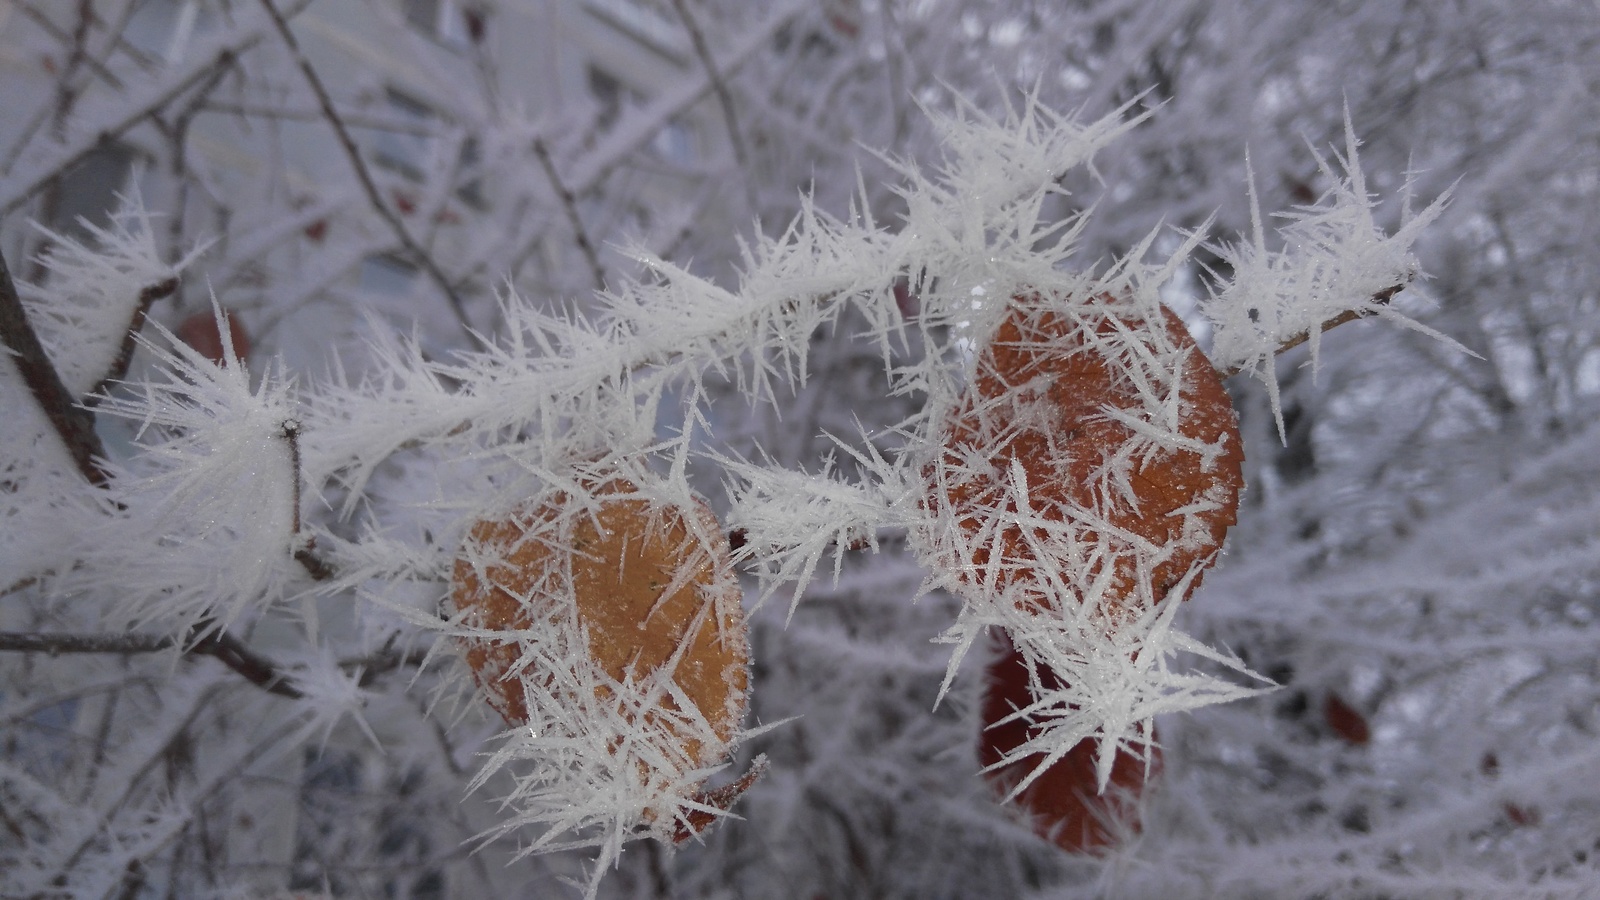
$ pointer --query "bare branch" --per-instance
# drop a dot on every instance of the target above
(719, 86)
(225, 648)
(364, 174)
(49, 27)
(119, 366)
(256, 668)
(569, 203)
(54, 644)
(73, 423)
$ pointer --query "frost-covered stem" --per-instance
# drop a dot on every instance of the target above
(304, 553)
(719, 86)
(224, 647)
(364, 175)
(291, 436)
(74, 424)
(1350, 315)
(569, 204)
(53, 644)
(119, 366)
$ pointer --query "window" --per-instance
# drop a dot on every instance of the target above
(674, 142)
(452, 22)
(406, 145)
(387, 275)
(609, 95)
(469, 186)
(164, 28)
(89, 190)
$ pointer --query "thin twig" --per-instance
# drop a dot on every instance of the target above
(73, 423)
(49, 27)
(1349, 315)
(569, 203)
(66, 96)
(223, 56)
(364, 175)
(304, 553)
(53, 644)
(227, 649)
(111, 133)
(719, 86)
(119, 366)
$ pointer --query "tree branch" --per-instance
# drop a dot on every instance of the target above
(256, 668)
(72, 423)
(225, 648)
(304, 553)
(119, 366)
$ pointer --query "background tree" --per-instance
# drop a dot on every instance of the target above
(1412, 562)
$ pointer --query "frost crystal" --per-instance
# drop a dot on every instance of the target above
(605, 627)
(1336, 263)
(1071, 496)
(95, 292)
(204, 526)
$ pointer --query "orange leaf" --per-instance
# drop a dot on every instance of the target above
(1040, 399)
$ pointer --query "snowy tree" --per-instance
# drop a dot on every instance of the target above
(880, 375)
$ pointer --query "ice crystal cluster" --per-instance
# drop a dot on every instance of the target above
(557, 404)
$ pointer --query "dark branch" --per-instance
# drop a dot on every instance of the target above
(54, 644)
(73, 423)
(304, 554)
(718, 87)
(569, 204)
(221, 646)
(257, 669)
(119, 366)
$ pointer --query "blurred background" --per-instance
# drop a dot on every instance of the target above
(1416, 560)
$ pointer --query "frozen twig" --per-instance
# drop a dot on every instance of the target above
(1350, 315)
(305, 553)
(259, 670)
(119, 366)
(139, 110)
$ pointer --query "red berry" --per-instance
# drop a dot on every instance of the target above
(1064, 803)
(200, 332)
